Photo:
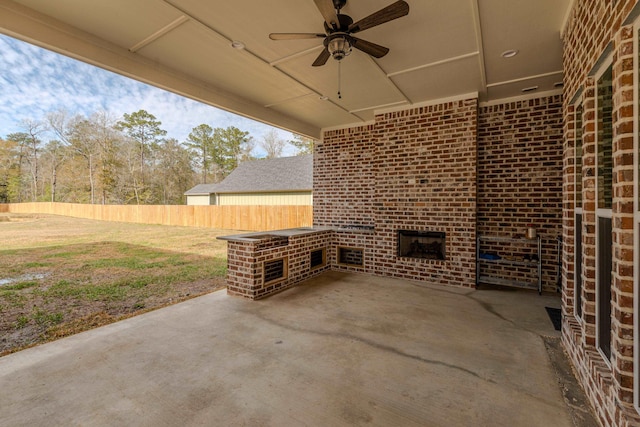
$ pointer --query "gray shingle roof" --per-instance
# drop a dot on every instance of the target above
(201, 190)
(265, 175)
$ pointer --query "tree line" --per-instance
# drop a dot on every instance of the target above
(98, 159)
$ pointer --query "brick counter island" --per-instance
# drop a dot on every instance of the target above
(261, 264)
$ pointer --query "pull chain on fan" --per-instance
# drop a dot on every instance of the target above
(339, 78)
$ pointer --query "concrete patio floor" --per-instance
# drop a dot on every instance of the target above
(341, 349)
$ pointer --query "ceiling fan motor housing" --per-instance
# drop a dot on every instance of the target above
(343, 20)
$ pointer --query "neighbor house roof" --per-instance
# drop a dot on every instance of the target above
(201, 190)
(265, 175)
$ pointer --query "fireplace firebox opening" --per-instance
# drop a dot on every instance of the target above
(422, 244)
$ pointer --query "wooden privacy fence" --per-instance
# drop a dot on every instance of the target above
(250, 218)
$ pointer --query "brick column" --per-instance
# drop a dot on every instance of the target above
(242, 269)
(568, 214)
(622, 211)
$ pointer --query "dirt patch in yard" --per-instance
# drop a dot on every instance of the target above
(60, 276)
(5, 217)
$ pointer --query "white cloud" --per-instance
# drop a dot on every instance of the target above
(35, 82)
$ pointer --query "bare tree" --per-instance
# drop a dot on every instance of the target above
(246, 150)
(75, 132)
(29, 143)
(54, 154)
(107, 141)
(273, 144)
(175, 174)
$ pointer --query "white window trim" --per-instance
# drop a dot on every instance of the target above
(600, 213)
(636, 209)
(576, 210)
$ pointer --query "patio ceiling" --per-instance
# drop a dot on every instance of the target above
(442, 49)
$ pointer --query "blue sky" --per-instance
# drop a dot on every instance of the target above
(35, 81)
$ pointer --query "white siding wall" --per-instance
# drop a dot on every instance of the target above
(284, 198)
(201, 200)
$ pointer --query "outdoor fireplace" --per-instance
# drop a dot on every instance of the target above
(421, 244)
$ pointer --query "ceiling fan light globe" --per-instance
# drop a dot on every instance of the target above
(339, 47)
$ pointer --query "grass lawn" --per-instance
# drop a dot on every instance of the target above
(60, 275)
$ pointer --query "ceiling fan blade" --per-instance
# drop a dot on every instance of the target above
(295, 36)
(389, 13)
(372, 49)
(322, 58)
(328, 12)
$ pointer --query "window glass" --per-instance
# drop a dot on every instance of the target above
(578, 159)
(605, 140)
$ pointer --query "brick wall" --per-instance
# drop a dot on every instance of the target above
(412, 169)
(592, 26)
(344, 177)
(426, 164)
(520, 178)
(416, 169)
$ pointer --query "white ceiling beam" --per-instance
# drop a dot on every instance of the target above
(161, 32)
(295, 55)
(378, 107)
(480, 44)
(524, 79)
(197, 21)
(285, 101)
(388, 80)
(433, 64)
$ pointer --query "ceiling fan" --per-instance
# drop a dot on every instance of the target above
(338, 40)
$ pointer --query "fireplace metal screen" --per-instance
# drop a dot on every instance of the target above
(422, 244)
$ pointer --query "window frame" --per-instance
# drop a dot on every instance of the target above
(636, 211)
(600, 212)
(577, 211)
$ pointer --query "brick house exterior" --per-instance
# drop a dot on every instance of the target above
(600, 34)
(566, 164)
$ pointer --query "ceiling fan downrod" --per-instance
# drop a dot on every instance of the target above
(339, 4)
